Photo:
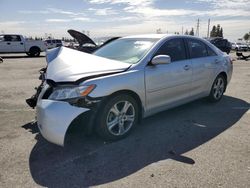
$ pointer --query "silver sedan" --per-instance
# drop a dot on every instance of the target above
(133, 77)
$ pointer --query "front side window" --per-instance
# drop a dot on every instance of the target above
(7, 38)
(128, 50)
(174, 48)
(196, 48)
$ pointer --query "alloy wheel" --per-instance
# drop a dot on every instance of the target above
(120, 118)
(218, 88)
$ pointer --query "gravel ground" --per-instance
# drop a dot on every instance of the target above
(195, 145)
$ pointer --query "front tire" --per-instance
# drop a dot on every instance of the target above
(218, 89)
(117, 117)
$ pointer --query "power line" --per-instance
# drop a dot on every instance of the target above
(198, 27)
(208, 27)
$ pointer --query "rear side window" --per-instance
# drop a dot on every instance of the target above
(210, 52)
(15, 38)
(197, 48)
(175, 48)
(48, 41)
(58, 41)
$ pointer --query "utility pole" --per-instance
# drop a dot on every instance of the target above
(208, 27)
(198, 27)
(182, 30)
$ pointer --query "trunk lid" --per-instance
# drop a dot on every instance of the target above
(80, 37)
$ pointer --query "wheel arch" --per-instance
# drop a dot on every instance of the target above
(34, 47)
(132, 94)
(224, 75)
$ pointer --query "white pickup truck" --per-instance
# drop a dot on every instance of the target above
(12, 43)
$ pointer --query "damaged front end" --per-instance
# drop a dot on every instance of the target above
(32, 101)
(70, 67)
(62, 98)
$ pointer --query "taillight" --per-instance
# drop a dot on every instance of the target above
(231, 60)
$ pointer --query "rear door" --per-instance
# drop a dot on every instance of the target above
(168, 83)
(204, 62)
(16, 43)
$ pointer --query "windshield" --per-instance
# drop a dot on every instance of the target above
(126, 50)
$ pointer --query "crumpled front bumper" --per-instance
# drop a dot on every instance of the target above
(54, 118)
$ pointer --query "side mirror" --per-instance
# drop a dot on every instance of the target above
(161, 59)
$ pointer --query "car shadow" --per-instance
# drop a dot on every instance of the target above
(18, 56)
(88, 161)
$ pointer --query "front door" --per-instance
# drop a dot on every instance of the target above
(167, 84)
(16, 44)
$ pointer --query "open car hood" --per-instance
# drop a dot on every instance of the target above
(80, 37)
(67, 65)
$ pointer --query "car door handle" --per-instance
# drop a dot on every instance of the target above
(186, 67)
(21, 43)
(8, 43)
(216, 61)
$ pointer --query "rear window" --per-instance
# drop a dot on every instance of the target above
(210, 52)
(16, 38)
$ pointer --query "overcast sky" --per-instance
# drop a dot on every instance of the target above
(122, 17)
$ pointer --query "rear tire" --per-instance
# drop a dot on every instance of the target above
(218, 89)
(34, 52)
(117, 117)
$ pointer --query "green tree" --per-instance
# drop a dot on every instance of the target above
(221, 32)
(191, 32)
(213, 32)
(247, 36)
(218, 30)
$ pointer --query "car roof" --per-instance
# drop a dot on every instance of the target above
(157, 36)
(53, 39)
(161, 36)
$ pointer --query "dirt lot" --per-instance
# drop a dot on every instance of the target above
(195, 145)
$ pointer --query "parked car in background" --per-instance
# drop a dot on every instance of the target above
(13, 43)
(239, 46)
(248, 45)
(53, 43)
(130, 78)
(223, 44)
